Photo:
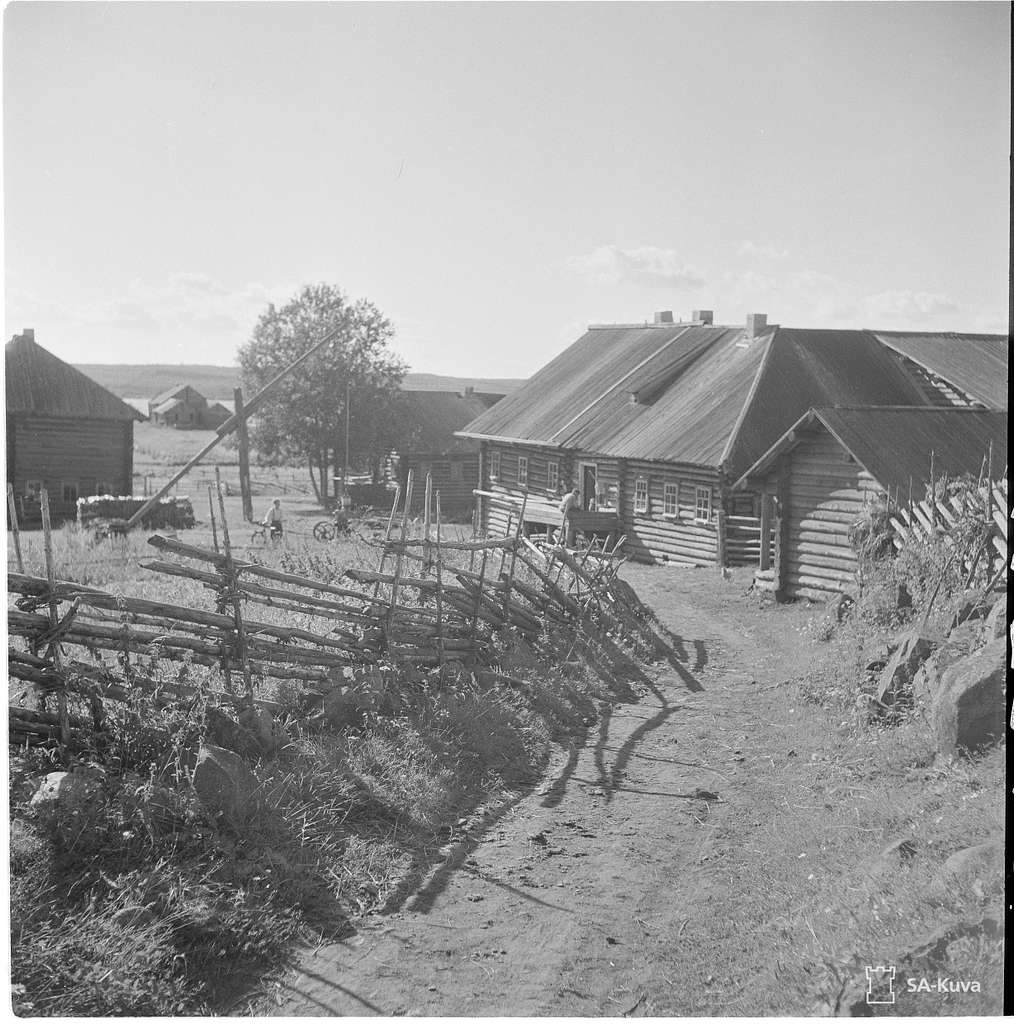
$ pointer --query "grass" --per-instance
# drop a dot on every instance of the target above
(134, 903)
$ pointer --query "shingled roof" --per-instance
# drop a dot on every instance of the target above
(957, 438)
(692, 393)
(975, 363)
(432, 417)
(39, 383)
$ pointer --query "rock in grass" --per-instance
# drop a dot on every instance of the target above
(268, 733)
(896, 678)
(968, 710)
(973, 604)
(224, 785)
(996, 621)
(66, 790)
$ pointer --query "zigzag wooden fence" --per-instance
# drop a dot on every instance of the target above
(421, 607)
(921, 520)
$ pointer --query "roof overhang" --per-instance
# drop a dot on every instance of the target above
(507, 440)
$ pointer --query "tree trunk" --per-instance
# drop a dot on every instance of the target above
(313, 480)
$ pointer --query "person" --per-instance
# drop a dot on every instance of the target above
(570, 502)
(273, 519)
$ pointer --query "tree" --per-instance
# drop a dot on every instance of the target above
(305, 415)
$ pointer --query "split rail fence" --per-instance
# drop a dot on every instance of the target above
(429, 602)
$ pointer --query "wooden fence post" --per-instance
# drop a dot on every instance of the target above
(720, 538)
(233, 591)
(54, 618)
(765, 532)
(12, 511)
(244, 455)
(211, 509)
(514, 557)
(403, 534)
(439, 594)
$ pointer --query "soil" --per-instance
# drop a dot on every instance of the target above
(575, 898)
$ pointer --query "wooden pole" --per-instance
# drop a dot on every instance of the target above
(231, 576)
(398, 556)
(439, 594)
(12, 511)
(514, 556)
(54, 616)
(231, 423)
(244, 455)
(428, 498)
(765, 532)
(478, 594)
(211, 509)
(720, 539)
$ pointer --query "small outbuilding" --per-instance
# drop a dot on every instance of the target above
(185, 408)
(65, 432)
(835, 466)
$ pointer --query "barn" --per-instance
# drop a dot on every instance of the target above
(185, 408)
(430, 420)
(654, 422)
(65, 433)
(835, 465)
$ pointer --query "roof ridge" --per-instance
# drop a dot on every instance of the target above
(754, 387)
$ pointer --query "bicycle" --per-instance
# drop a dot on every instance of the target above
(262, 534)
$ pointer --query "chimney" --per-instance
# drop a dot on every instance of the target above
(664, 317)
(756, 323)
(469, 390)
(28, 333)
(704, 316)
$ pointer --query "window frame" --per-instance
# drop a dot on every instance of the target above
(457, 470)
(522, 471)
(672, 490)
(698, 491)
(642, 501)
(553, 475)
(494, 466)
(64, 485)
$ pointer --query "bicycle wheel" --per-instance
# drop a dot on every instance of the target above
(324, 531)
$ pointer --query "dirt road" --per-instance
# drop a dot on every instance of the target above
(574, 900)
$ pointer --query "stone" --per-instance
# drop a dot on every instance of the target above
(67, 791)
(224, 785)
(896, 678)
(926, 681)
(269, 734)
(973, 604)
(226, 732)
(968, 710)
(996, 621)
(975, 863)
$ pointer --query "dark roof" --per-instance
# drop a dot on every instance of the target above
(438, 382)
(975, 363)
(164, 396)
(894, 444)
(40, 383)
(432, 417)
(706, 395)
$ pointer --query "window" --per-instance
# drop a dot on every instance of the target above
(671, 499)
(640, 494)
(457, 471)
(702, 505)
(70, 491)
(494, 466)
(553, 475)
(522, 470)
(33, 488)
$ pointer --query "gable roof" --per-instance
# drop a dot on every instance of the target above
(174, 392)
(705, 395)
(975, 363)
(432, 417)
(957, 438)
(38, 382)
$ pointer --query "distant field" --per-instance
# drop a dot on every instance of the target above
(142, 381)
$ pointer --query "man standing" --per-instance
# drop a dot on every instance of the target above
(273, 519)
(570, 501)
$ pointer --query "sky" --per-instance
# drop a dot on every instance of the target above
(494, 177)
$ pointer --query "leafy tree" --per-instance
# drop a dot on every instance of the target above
(304, 418)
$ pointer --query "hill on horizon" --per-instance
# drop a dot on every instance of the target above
(145, 380)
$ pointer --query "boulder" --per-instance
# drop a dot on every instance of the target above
(926, 681)
(67, 791)
(968, 709)
(269, 734)
(975, 864)
(996, 621)
(896, 678)
(224, 785)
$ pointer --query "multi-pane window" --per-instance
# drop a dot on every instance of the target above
(70, 490)
(552, 475)
(702, 505)
(641, 494)
(522, 470)
(494, 466)
(671, 499)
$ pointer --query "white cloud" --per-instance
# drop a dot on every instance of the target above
(768, 252)
(908, 305)
(647, 265)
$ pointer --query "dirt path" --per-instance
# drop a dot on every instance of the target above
(570, 902)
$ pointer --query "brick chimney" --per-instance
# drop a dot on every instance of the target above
(756, 323)
(704, 316)
(28, 334)
(664, 316)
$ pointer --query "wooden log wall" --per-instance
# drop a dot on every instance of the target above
(543, 502)
(455, 475)
(654, 536)
(82, 452)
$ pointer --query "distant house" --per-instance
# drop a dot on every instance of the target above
(185, 408)
(832, 465)
(431, 419)
(65, 433)
(655, 422)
